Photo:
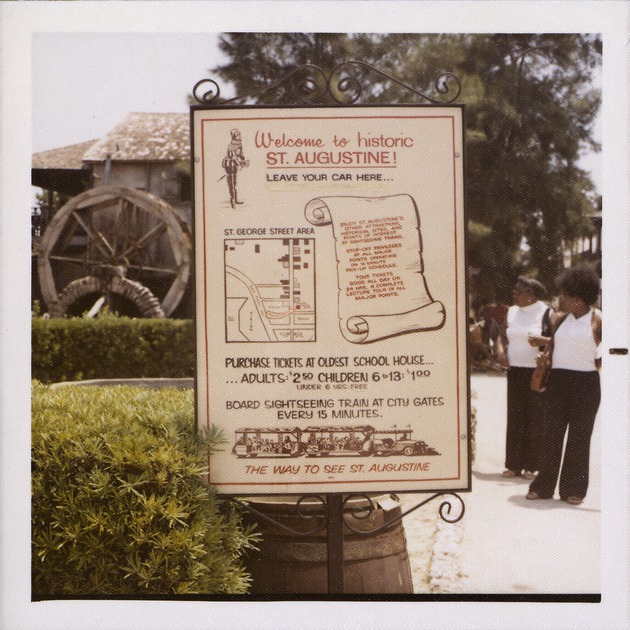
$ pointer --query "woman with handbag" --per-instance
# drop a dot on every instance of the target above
(573, 391)
(517, 348)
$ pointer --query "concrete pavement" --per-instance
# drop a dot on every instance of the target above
(509, 545)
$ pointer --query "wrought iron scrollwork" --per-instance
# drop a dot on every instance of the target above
(446, 507)
(308, 84)
(364, 511)
(343, 83)
(355, 507)
(307, 507)
(359, 512)
(211, 91)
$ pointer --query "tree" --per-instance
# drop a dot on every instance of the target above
(530, 111)
(528, 124)
(259, 60)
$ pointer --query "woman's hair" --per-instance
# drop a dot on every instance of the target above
(579, 282)
(533, 286)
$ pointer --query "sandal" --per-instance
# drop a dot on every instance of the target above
(574, 500)
(532, 496)
(510, 473)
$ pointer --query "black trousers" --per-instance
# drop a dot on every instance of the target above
(572, 402)
(524, 412)
(231, 181)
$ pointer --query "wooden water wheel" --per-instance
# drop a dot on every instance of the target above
(119, 247)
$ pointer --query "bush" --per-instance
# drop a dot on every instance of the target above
(111, 347)
(118, 503)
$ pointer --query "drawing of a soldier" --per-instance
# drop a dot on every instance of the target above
(234, 160)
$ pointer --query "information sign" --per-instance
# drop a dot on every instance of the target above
(331, 298)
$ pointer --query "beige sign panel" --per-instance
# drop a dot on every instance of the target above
(331, 298)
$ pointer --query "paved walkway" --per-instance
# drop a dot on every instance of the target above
(513, 546)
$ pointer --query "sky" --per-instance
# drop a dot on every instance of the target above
(86, 83)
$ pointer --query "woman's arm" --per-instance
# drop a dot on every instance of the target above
(545, 337)
(538, 340)
(596, 325)
(501, 347)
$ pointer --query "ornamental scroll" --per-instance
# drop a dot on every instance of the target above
(382, 288)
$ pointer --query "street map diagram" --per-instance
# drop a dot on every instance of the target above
(270, 289)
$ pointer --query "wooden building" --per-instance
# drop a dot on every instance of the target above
(127, 215)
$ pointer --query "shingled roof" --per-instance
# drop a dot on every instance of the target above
(65, 158)
(145, 138)
(139, 137)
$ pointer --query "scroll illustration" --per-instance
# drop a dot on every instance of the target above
(378, 244)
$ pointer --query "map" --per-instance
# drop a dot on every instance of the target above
(270, 289)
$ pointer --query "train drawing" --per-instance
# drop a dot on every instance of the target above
(328, 441)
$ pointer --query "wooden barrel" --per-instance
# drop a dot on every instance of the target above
(287, 563)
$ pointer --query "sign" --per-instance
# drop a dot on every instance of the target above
(331, 298)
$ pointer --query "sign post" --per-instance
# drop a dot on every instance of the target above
(331, 298)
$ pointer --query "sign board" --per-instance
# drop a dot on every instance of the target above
(331, 298)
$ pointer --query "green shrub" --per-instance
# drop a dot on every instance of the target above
(111, 347)
(118, 502)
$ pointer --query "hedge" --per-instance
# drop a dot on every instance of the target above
(118, 503)
(111, 347)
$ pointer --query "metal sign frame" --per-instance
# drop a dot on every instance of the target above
(225, 223)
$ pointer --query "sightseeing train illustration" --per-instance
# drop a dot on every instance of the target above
(328, 441)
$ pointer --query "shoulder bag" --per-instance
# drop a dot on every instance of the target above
(541, 373)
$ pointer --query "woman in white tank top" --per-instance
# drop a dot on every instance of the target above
(573, 392)
(517, 349)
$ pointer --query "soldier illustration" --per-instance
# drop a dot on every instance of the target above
(234, 160)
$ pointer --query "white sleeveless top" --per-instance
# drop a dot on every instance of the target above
(574, 344)
(523, 321)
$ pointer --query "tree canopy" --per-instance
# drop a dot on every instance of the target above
(530, 111)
